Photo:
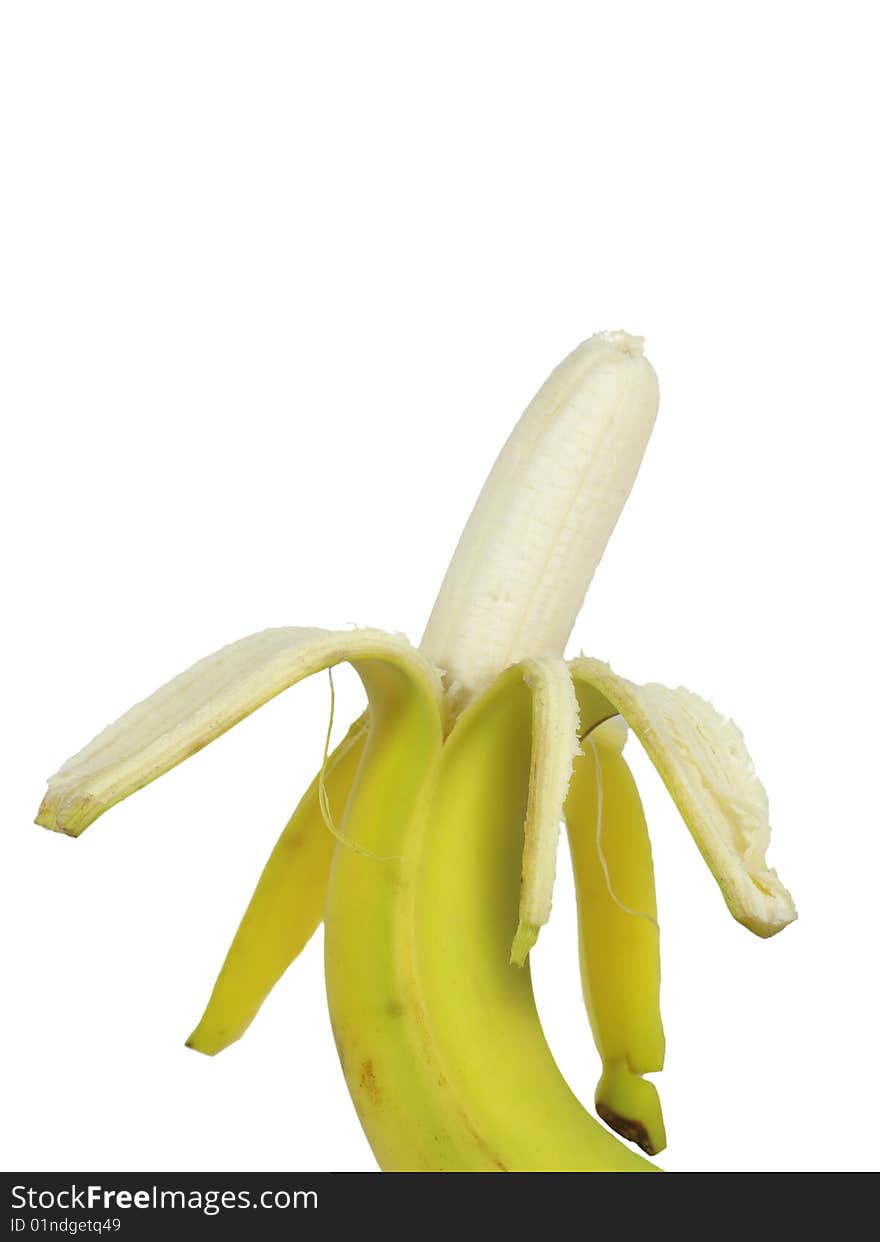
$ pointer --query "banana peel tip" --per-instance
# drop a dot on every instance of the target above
(523, 942)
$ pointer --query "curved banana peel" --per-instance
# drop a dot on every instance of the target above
(553, 747)
(200, 704)
(702, 759)
(382, 1033)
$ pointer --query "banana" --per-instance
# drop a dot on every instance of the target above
(286, 908)
(438, 817)
(618, 934)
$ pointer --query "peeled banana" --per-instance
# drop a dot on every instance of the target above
(428, 840)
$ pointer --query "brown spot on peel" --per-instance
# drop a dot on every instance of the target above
(368, 1081)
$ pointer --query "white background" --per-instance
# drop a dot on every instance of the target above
(277, 280)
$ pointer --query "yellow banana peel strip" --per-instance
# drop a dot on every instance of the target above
(618, 934)
(202, 703)
(287, 905)
(702, 759)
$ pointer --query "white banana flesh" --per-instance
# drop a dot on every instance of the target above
(540, 525)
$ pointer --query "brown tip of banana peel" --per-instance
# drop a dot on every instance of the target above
(198, 1047)
(632, 1131)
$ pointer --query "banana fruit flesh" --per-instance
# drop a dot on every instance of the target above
(428, 840)
(530, 548)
